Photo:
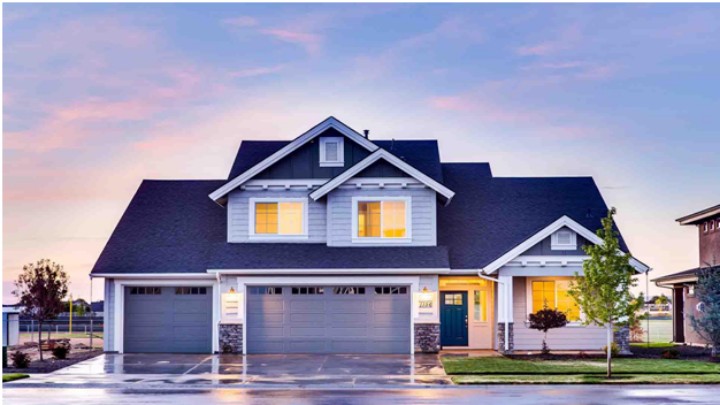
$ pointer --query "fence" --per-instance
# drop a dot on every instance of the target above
(81, 325)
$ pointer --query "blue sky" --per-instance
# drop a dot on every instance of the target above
(99, 96)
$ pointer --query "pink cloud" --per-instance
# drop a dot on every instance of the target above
(567, 38)
(242, 21)
(311, 42)
(541, 49)
(258, 71)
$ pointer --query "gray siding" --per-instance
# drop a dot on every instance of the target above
(543, 248)
(238, 215)
(423, 223)
(109, 316)
(567, 338)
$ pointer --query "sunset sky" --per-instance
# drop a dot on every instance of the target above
(97, 97)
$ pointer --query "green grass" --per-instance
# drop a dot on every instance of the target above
(653, 345)
(502, 365)
(589, 379)
(13, 377)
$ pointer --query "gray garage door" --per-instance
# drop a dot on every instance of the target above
(168, 319)
(355, 319)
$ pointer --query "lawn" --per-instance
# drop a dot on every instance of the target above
(653, 345)
(13, 377)
(502, 370)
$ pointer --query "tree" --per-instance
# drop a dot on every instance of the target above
(41, 288)
(546, 319)
(603, 291)
(661, 300)
(707, 292)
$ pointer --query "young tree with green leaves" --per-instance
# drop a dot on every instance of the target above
(41, 288)
(603, 291)
(707, 292)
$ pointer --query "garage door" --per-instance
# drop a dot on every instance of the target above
(168, 319)
(321, 319)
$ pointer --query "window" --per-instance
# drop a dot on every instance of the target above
(554, 294)
(332, 152)
(191, 291)
(691, 290)
(712, 225)
(265, 290)
(480, 306)
(308, 291)
(145, 291)
(453, 299)
(705, 227)
(563, 239)
(381, 218)
(349, 290)
(286, 217)
(390, 290)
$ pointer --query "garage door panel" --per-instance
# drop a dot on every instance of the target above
(167, 320)
(341, 320)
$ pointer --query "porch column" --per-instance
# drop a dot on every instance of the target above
(505, 314)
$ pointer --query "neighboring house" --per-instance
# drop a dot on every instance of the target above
(683, 283)
(11, 325)
(334, 242)
(96, 308)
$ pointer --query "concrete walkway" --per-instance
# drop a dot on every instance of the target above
(190, 370)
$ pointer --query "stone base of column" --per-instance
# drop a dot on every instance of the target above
(621, 337)
(427, 337)
(231, 338)
(501, 338)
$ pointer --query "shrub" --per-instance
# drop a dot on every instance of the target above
(60, 352)
(544, 320)
(20, 359)
(582, 355)
(614, 349)
(670, 354)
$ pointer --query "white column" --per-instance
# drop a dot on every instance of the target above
(505, 299)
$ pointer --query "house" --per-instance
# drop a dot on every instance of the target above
(683, 283)
(96, 308)
(335, 242)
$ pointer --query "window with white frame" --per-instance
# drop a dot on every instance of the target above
(705, 227)
(332, 151)
(553, 294)
(277, 217)
(563, 239)
(381, 219)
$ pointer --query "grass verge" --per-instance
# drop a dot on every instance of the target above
(589, 379)
(13, 377)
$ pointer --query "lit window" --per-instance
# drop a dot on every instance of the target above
(332, 152)
(691, 290)
(712, 225)
(554, 294)
(705, 227)
(563, 239)
(382, 219)
(279, 218)
(480, 306)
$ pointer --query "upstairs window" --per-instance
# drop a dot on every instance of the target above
(563, 239)
(381, 219)
(283, 217)
(332, 152)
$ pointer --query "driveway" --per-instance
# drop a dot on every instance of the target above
(191, 370)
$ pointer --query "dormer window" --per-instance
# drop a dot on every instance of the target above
(332, 152)
(563, 239)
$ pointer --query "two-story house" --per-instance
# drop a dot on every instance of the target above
(683, 283)
(336, 243)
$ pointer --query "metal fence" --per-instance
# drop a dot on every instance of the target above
(82, 325)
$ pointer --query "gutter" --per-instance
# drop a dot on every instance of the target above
(506, 307)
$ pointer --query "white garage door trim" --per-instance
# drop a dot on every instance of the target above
(120, 304)
(413, 282)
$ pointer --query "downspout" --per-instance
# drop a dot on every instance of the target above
(505, 307)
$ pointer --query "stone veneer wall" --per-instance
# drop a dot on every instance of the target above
(621, 337)
(427, 337)
(501, 337)
(231, 338)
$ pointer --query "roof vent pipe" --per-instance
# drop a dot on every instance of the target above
(366, 132)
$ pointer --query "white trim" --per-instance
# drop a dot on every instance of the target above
(179, 276)
(276, 237)
(340, 151)
(390, 158)
(119, 308)
(546, 260)
(698, 216)
(563, 221)
(381, 240)
(381, 183)
(304, 272)
(330, 122)
(283, 185)
(555, 240)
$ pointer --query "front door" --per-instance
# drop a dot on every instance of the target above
(453, 318)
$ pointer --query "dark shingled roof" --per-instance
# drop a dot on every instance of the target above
(668, 279)
(173, 227)
(420, 154)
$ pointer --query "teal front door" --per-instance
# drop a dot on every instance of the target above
(453, 318)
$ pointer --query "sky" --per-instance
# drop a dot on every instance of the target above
(97, 97)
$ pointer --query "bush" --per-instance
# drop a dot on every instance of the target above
(60, 352)
(544, 320)
(20, 359)
(670, 354)
(614, 349)
(582, 355)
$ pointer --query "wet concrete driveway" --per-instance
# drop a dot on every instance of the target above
(189, 370)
